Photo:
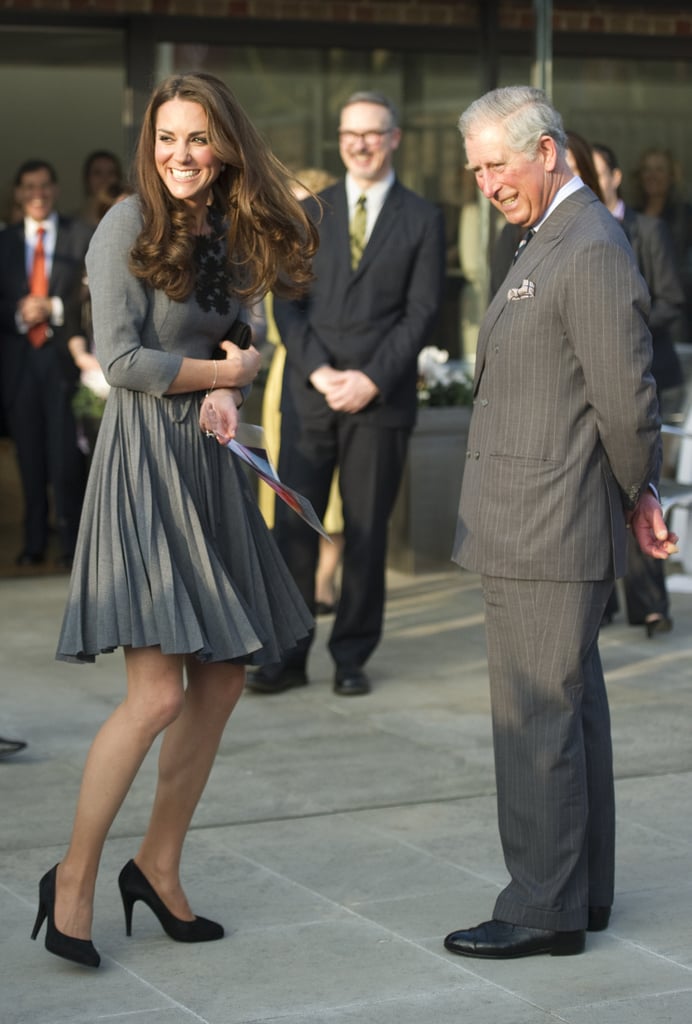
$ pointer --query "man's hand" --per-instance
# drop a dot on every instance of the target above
(324, 378)
(351, 392)
(34, 309)
(219, 413)
(345, 390)
(649, 528)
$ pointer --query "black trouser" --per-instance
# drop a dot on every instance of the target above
(370, 460)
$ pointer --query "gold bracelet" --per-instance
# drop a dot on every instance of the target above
(216, 373)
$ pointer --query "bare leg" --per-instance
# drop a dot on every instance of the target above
(187, 755)
(327, 568)
(154, 699)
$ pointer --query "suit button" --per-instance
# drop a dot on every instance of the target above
(468, 455)
(476, 455)
(484, 401)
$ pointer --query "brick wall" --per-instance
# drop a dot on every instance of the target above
(637, 18)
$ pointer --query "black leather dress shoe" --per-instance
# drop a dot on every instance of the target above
(498, 940)
(275, 679)
(8, 747)
(662, 624)
(598, 919)
(26, 558)
(351, 682)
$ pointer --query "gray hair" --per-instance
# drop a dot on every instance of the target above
(526, 114)
(378, 98)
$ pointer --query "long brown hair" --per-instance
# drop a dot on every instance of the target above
(270, 239)
(583, 157)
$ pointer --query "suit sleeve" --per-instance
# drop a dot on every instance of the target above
(303, 347)
(606, 322)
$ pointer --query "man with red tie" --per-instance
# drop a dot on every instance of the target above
(41, 272)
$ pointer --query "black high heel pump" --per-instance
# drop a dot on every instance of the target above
(134, 886)
(80, 951)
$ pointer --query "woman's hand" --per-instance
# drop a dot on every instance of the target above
(244, 364)
(219, 413)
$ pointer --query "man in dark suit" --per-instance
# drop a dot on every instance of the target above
(37, 372)
(349, 392)
(646, 595)
(563, 445)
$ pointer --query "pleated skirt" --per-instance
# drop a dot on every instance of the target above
(172, 550)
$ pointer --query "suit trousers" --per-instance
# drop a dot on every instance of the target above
(553, 752)
(371, 461)
(42, 426)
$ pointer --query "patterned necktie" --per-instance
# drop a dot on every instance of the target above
(522, 245)
(38, 286)
(357, 231)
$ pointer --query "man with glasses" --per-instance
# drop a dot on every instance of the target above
(349, 393)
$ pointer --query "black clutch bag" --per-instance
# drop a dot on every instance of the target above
(240, 334)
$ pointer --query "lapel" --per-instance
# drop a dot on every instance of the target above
(17, 257)
(342, 244)
(541, 245)
(386, 220)
(59, 254)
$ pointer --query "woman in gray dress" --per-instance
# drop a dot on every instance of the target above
(174, 563)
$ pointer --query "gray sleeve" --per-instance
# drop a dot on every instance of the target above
(121, 307)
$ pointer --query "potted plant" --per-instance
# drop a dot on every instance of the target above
(423, 522)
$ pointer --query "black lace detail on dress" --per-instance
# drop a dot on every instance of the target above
(212, 281)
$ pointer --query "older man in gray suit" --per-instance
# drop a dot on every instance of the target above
(564, 454)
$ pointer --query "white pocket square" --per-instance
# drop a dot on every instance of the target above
(526, 291)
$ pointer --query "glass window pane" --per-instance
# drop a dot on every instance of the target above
(66, 88)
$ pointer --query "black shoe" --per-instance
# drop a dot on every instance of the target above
(660, 625)
(80, 951)
(134, 886)
(25, 558)
(275, 678)
(598, 919)
(351, 682)
(8, 747)
(497, 940)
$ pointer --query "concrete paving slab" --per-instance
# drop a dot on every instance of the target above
(339, 840)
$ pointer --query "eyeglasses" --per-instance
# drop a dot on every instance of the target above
(371, 138)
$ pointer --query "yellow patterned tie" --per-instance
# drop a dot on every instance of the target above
(357, 231)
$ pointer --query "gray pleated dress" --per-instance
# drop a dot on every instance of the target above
(172, 549)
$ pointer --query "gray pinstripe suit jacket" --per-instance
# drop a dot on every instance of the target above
(564, 432)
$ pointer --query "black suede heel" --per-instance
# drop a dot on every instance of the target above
(80, 951)
(134, 886)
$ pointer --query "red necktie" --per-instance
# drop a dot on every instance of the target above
(38, 286)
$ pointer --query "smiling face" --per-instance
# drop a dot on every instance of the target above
(520, 188)
(185, 161)
(367, 142)
(36, 194)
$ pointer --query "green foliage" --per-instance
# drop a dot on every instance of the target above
(86, 404)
